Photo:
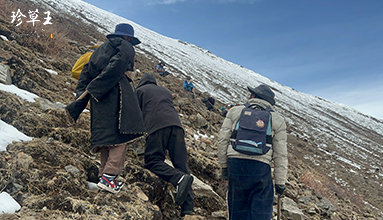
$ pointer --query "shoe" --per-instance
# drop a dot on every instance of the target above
(183, 188)
(110, 184)
(68, 118)
(183, 213)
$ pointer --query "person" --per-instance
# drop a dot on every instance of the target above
(209, 101)
(165, 132)
(188, 85)
(225, 110)
(160, 69)
(77, 67)
(116, 118)
(250, 190)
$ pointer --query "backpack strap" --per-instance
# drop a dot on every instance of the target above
(255, 106)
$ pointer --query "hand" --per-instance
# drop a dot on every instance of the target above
(224, 174)
(280, 189)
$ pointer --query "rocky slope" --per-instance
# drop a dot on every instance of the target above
(49, 175)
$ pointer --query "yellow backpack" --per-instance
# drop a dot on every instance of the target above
(77, 68)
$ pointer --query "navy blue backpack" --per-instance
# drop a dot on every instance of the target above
(252, 133)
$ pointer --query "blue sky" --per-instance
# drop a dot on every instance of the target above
(328, 48)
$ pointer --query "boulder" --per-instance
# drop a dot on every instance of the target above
(5, 74)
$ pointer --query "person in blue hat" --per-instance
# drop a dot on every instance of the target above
(116, 118)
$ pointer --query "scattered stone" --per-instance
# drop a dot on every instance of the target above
(5, 74)
(219, 214)
(72, 169)
(290, 209)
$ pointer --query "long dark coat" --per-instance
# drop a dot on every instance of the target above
(115, 114)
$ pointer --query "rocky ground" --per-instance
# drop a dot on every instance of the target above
(49, 175)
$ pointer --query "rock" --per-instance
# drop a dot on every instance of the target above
(326, 205)
(219, 214)
(92, 186)
(5, 74)
(72, 169)
(194, 217)
(140, 194)
(24, 160)
(290, 210)
(202, 189)
(311, 211)
(46, 104)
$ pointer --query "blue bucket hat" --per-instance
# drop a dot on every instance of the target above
(263, 92)
(125, 30)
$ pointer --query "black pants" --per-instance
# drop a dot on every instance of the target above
(171, 139)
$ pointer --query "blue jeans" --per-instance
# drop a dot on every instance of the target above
(251, 191)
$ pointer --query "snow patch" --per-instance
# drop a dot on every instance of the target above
(28, 96)
(8, 204)
(8, 133)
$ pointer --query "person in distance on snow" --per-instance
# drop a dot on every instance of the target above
(188, 85)
(160, 69)
(116, 118)
(165, 133)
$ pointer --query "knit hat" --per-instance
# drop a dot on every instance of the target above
(263, 92)
(125, 30)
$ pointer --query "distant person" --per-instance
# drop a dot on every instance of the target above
(224, 110)
(188, 85)
(79, 65)
(165, 133)
(116, 118)
(160, 69)
(251, 191)
(209, 101)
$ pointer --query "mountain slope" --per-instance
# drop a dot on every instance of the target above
(334, 140)
(340, 135)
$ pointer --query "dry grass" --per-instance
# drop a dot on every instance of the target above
(34, 35)
(8, 217)
(49, 39)
(323, 186)
(320, 184)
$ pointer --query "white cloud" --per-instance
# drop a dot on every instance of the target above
(366, 98)
(163, 2)
(373, 108)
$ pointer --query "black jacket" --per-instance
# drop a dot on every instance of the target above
(115, 114)
(156, 103)
(209, 102)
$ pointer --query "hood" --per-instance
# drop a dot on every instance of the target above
(261, 102)
(147, 78)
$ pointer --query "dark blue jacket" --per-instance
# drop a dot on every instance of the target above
(188, 86)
